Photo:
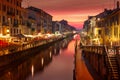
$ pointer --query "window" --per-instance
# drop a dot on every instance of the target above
(20, 4)
(115, 31)
(11, 31)
(17, 31)
(8, 0)
(117, 19)
(3, 19)
(3, 7)
(20, 31)
(16, 12)
(11, 1)
(0, 6)
(0, 19)
(11, 20)
(14, 1)
(17, 3)
(14, 31)
(99, 32)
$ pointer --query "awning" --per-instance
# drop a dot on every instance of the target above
(20, 36)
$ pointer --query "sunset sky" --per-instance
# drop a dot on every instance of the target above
(74, 11)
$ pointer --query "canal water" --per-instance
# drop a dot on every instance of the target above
(55, 62)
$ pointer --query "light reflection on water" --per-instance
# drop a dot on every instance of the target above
(32, 70)
(52, 63)
(50, 54)
(42, 61)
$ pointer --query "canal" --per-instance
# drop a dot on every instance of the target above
(55, 62)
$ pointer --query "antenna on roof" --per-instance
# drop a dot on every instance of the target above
(116, 4)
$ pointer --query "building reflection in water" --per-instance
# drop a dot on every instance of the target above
(31, 65)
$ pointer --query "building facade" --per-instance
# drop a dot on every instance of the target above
(107, 27)
(110, 24)
(25, 27)
(39, 20)
(56, 27)
(62, 27)
(112, 29)
(10, 17)
(66, 27)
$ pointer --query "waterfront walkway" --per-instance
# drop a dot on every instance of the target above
(81, 70)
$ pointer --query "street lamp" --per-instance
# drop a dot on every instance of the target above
(98, 19)
(7, 30)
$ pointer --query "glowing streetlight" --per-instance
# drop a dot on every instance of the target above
(7, 30)
(98, 19)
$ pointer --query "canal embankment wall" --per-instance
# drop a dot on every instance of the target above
(21, 54)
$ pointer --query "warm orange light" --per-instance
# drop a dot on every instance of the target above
(8, 30)
(50, 54)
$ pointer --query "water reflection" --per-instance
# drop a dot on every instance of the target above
(32, 70)
(42, 61)
(31, 65)
(50, 54)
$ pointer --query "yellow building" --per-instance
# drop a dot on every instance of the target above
(99, 30)
(10, 17)
(110, 24)
(112, 27)
(107, 27)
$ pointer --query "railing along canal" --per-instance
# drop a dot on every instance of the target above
(104, 60)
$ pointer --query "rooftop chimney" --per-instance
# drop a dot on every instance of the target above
(117, 4)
